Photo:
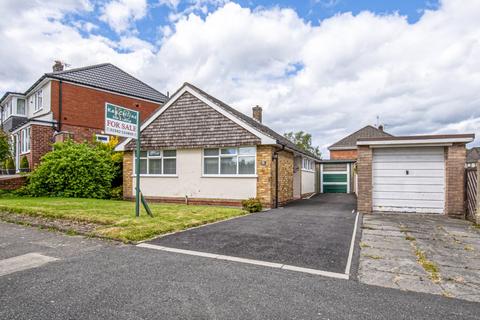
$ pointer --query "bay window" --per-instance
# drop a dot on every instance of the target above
(21, 107)
(229, 161)
(158, 162)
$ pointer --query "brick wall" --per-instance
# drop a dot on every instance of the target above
(285, 176)
(127, 174)
(364, 176)
(455, 157)
(343, 154)
(265, 182)
(12, 183)
(85, 107)
(41, 143)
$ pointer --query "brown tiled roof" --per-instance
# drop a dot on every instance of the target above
(190, 123)
(350, 141)
(200, 135)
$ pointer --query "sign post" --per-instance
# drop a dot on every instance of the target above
(124, 122)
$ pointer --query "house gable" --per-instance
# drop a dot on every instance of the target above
(189, 122)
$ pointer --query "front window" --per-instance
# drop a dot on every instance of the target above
(25, 140)
(38, 100)
(229, 161)
(21, 106)
(158, 162)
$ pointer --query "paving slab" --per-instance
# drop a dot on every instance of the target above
(450, 251)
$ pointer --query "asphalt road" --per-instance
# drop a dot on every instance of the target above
(95, 279)
(314, 233)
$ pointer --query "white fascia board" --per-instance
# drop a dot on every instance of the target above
(263, 137)
(414, 142)
(38, 86)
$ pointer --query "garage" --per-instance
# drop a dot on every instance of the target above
(337, 176)
(412, 174)
(409, 179)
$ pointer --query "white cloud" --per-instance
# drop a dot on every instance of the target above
(121, 14)
(329, 79)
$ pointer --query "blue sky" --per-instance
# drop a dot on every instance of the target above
(327, 67)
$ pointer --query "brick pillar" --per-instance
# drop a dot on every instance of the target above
(364, 176)
(265, 173)
(40, 143)
(455, 157)
(285, 176)
(127, 174)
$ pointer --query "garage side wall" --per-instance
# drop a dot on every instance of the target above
(455, 157)
(364, 176)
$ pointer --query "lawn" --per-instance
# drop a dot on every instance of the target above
(115, 218)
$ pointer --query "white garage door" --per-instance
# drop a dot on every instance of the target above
(409, 179)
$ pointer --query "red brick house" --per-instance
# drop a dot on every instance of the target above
(346, 148)
(70, 103)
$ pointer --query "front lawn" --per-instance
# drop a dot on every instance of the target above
(116, 219)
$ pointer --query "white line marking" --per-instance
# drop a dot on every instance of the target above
(352, 246)
(247, 261)
(23, 262)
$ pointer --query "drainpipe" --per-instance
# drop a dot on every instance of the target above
(275, 157)
(59, 129)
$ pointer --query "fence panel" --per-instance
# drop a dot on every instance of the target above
(471, 192)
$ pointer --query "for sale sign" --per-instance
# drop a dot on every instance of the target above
(121, 121)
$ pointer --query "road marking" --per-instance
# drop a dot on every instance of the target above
(23, 262)
(247, 261)
(352, 246)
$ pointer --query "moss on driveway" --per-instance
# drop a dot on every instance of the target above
(115, 219)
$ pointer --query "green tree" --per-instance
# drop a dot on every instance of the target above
(303, 140)
(78, 170)
(4, 147)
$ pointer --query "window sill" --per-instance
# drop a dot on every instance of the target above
(156, 175)
(23, 153)
(305, 170)
(229, 176)
(37, 111)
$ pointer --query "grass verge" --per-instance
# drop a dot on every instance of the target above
(115, 219)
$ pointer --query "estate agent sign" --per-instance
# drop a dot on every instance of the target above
(123, 122)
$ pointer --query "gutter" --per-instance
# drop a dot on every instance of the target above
(59, 126)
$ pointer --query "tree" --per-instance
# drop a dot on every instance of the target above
(4, 147)
(303, 140)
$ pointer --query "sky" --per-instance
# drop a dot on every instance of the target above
(327, 67)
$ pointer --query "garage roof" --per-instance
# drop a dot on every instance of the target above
(440, 139)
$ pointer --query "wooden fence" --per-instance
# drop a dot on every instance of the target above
(471, 190)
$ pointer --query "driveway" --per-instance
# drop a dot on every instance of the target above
(425, 253)
(313, 233)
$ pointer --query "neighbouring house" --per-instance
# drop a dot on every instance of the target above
(419, 174)
(198, 149)
(346, 148)
(337, 174)
(70, 104)
(473, 156)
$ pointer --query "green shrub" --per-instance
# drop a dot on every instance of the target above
(4, 146)
(24, 163)
(116, 193)
(78, 170)
(252, 205)
(9, 164)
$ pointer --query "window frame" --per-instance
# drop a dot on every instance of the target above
(38, 96)
(147, 157)
(25, 140)
(24, 107)
(237, 155)
(308, 165)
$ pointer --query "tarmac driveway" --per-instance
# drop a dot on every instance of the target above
(313, 233)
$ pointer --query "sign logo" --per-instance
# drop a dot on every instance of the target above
(121, 121)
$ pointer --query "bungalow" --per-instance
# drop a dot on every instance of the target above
(198, 149)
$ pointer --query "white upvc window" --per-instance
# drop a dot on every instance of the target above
(21, 110)
(38, 100)
(229, 161)
(308, 164)
(25, 140)
(158, 162)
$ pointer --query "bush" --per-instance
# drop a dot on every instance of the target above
(75, 170)
(4, 146)
(24, 163)
(10, 165)
(116, 193)
(252, 205)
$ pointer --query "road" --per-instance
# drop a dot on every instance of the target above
(96, 279)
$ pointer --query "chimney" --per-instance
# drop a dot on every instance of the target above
(257, 113)
(380, 127)
(58, 66)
